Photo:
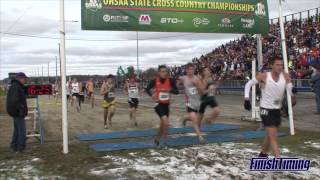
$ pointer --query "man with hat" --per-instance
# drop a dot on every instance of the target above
(17, 108)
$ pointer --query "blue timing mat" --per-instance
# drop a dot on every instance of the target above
(180, 141)
(152, 132)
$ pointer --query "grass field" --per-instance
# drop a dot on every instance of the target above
(2, 93)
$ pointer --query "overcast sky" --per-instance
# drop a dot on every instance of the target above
(41, 18)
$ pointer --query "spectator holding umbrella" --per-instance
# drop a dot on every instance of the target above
(17, 108)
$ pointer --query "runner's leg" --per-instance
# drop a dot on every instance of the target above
(72, 100)
(214, 114)
(92, 100)
(131, 112)
(111, 114)
(158, 136)
(79, 100)
(195, 123)
(265, 145)
(200, 115)
(165, 126)
(77, 104)
(272, 135)
(134, 114)
(184, 119)
(105, 118)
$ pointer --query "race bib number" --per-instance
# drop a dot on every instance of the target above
(277, 102)
(74, 89)
(111, 95)
(164, 96)
(133, 91)
(211, 90)
(264, 112)
(192, 91)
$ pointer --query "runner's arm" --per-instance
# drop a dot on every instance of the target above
(179, 81)
(220, 79)
(125, 88)
(104, 89)
(200, 86)
(174, 89)
(87, 86)
(288, 84)
(140, 89)
(149, 87)
(260, 77)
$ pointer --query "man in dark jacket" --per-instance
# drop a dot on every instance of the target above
(18, 110)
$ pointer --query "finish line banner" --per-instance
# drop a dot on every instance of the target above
(203, 16)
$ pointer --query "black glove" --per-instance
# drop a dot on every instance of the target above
(247, 105)
(294, 90)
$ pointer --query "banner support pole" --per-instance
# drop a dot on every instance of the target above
(137, 55)
(253, 97)
(63, 80)
(285, 62)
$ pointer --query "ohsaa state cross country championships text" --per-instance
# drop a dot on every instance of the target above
(225, 6)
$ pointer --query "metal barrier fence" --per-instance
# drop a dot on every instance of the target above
(239, 84)
(299, 83)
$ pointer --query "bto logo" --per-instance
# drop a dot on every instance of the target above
(171, 20)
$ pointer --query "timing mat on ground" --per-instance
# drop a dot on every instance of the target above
(180, 141)
(152, 132)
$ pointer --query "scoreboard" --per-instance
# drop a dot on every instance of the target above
(38, 89)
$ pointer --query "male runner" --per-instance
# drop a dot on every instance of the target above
(208, 99)
(68, 89)
(163, 87)
(131, 89)
(193, 90)
(56, 88)
(108, 91)
(82, 93)
(75, 90)
(273, 85)
(90, 91)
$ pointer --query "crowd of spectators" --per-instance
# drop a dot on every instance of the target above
(235, 57)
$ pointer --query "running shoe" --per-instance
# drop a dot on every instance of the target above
(201, 140)
(156, 141)
(263, 155)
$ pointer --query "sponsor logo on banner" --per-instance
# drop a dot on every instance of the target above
(93, 4)
(247, 23)
(225, 23)
(145, 19)
(111, 18)
(171, 21)
(197, 22)
(279, 164)
(260, 9)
